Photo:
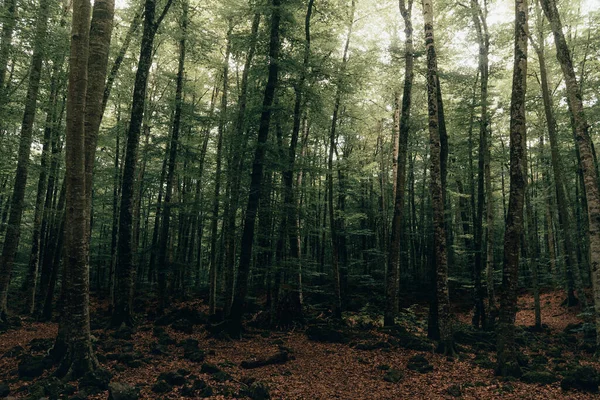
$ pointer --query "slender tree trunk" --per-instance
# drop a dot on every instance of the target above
(532, 248)
(9, 21)
(257, 168)
(13, 230)
(30, 283)
(289, 221)
(112, 75)
(335, 251)
(238, 147)
(215, 213)
(507, 352)
(166, 206)
(392, 278)
(561, 197)
(122, 313)
(437, 182)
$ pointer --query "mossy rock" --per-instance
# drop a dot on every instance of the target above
(326, 334)
(393, 376)
(540, 377)
(258, 391)
(208, 368)
(173, 378)
(4, 389)
(420, 364)
(454, 390)
(161, 387)
(584, 378)
(483, 361)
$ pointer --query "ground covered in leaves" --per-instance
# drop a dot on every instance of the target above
(179, 355)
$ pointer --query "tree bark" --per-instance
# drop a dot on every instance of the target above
(163, 265)
(507, 354)
(122, 313)
(585, 146)
(236, 169)
(79, 358)
(257, 168)
(392, 284)
(437, 182)
(13, 230)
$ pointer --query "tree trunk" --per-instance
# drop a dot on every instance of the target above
(437, 182)
(99, 47)
(257, 169)
(79, 357)
(507, 352)
(585, 146)
(163, 266)
(399, 184)
(122, 313)
(13, 230)
(236, 169)
(110, 79)
(9, 21)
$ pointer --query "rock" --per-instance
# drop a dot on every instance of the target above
(4, 389)
(173, 378)
(41, 344)
(191, 351)
(122, 391)
(541, 377)
(208, 368)
(51, 388)
(454, 390)
(373, 346)
(420, 364)
(584, 378)
(32, 366)
(393, 376)
(222, 376)
(539, 360)
(123, 333)
(554, 352)
(199, 384)
(13, 352)
(161, 387)
(326, 334)
(408, 340)
(477, 339)
(158, 349)
(510, 369)
(483, 361)
(96, 381)
(258, 391)
(279, 358)
(183, 326)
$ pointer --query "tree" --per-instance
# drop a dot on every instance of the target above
(507, 354)
(123, 313)
(254, 196)
(437, 183)
(13, 231)
(586, 151)
(166, 207)
(79, 357)
(400, 182)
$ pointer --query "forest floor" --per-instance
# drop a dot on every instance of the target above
(358, 361)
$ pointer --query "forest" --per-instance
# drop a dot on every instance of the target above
(299, 199)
